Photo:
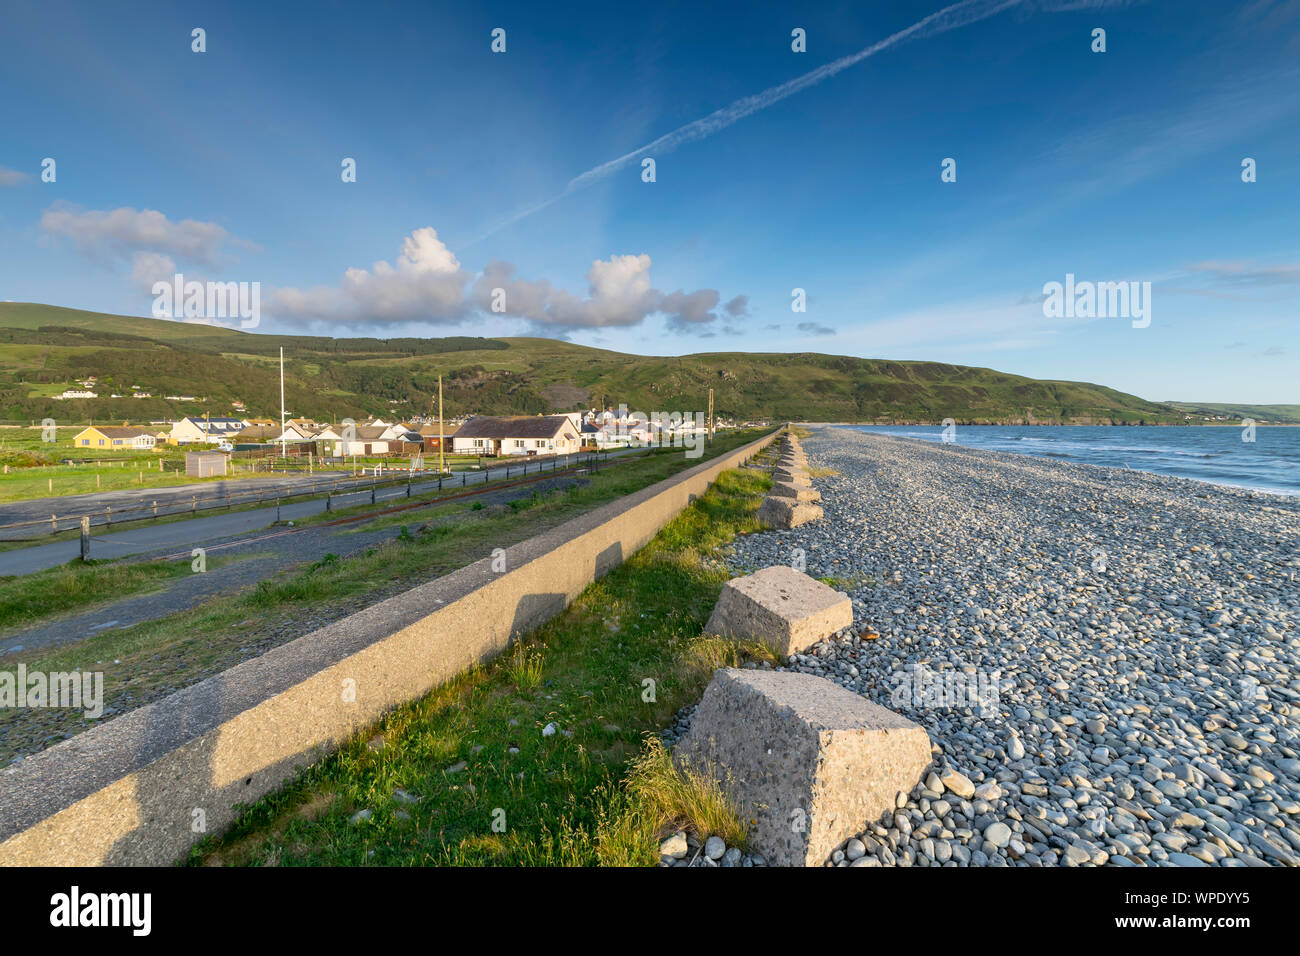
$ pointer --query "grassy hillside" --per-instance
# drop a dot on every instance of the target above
(1288, 414)
(44, 349)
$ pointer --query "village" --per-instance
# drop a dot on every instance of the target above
(481, 436)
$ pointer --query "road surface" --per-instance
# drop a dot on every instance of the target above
(143, 537)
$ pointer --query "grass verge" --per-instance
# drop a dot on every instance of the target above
(468, 774)
(35, 598)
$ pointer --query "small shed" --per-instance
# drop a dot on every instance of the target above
(205, 464)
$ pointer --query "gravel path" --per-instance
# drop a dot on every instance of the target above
(1105, 660)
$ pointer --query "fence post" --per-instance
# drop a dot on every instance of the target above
(372, 491)
(194, 504)
(408, 484)
(54, 524)
(85, 538)
(329, 502)
(108, 516)
(277, 510)
(155, 508)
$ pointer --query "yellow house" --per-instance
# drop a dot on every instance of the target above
(114, 438)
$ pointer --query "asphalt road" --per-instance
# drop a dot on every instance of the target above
(144, 537)
(171, 499)
(276, 550)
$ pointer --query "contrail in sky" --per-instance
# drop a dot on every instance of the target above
(949, 18)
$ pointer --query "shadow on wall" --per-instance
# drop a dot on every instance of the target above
(609, 559)
(164, 825)
(534, 610)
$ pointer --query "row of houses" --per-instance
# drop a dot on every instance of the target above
(480, 435)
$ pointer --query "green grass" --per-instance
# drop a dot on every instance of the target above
(601, 791)
(29, 599)
(525, 668)
(848, 583)
(63, 480)
(31, 467)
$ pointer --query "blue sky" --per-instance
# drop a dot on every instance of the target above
(1115, 166)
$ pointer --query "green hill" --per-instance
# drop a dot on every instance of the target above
(1287, 414)
(44, 349)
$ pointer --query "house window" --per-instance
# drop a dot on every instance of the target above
(101, 441)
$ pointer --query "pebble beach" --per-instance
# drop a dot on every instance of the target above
(1104, 660)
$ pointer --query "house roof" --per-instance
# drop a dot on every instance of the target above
(535, 426)
(117, 431)
(211, 425)
(258, 433)
(431, 431)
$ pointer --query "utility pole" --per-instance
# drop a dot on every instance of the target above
(440, 437)
(710, 416)
(282, 449)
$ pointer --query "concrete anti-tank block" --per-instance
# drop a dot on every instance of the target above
(810, 762)
(784, 608)
(782, 514)
(788, 489)
(795, 475)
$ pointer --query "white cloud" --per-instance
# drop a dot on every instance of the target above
(619, 294)
(12, 177)
(737, 308)
(118, 233)
(150, 267)
(426, 284)
(1248, 273)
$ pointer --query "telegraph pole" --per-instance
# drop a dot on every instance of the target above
(282, 450)
(710, 416)
(440, 438)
